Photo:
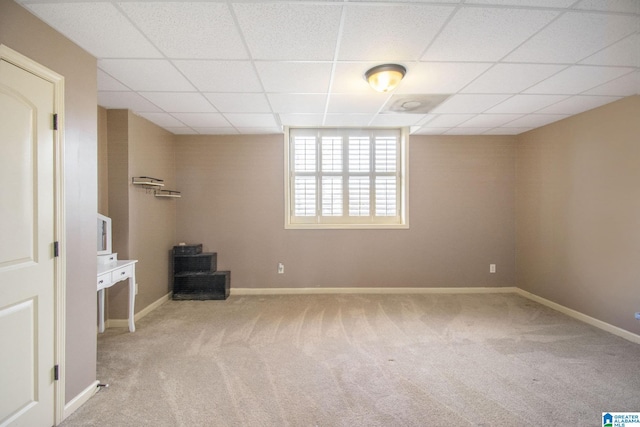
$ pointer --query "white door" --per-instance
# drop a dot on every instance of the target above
(26, 248)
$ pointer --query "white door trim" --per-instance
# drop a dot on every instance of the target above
(57, 80)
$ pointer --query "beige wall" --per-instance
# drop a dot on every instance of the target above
(578, 212)
(118, 180)
(103, 163)
(461, 217)
(26, 34)
(143, 225)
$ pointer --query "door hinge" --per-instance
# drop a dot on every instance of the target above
(56, 372)
(55, 122)
(56, 250)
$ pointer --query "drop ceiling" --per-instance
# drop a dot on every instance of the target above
(252, 67)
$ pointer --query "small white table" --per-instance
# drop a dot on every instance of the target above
(109, 275)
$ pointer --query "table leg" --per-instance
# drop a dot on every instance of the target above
(132, 301)
(101, 310)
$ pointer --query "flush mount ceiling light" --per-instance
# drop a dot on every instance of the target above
(384, 78)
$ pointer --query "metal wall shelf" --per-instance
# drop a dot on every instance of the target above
(155, 185)
(167, 193)
(147, 182)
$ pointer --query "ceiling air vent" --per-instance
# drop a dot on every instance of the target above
(413, 104)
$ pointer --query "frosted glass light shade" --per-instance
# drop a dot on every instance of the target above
(384, 78)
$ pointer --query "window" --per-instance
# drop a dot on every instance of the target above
(346, 178)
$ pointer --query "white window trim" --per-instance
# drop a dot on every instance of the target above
(404, 193)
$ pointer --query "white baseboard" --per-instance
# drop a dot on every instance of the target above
(80, 399)
(412, 290)
(622, 333)
(124, 323)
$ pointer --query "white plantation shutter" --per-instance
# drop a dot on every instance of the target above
(359, 196)
(359, 157)
(305, 155)
(386, 155)
(332, 196)
(305, 196)
(386, 164)
(345, 178)
(386, 196)
(331, 154)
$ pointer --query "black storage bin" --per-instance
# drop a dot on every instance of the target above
(195, 276)
(187, 249)
(202, 262)
(204, 286)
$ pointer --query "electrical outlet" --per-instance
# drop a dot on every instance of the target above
(492, 268)
(136, 288)
(280, 268)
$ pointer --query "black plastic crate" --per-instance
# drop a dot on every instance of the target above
(203, 262)
(202, 286)
(187, 249)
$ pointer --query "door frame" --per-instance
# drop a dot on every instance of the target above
(59, 296)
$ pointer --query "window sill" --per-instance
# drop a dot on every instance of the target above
(346, 226)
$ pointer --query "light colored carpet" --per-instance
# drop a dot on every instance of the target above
(361, 360)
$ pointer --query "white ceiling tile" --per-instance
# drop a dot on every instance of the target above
(251, 120)
(146, 75)
(578, 78)
(468, 104)
(97, 27)
(466, 131)
(525, 104)
(357, 103)
(535, 120)
(626, 52)
(348, 119)
(511, 78)
(426, 118)
(396, 119)
(578, 104)
(181, 130)
(106, 82)
(523, 3)
(260, 131)
(294, 77)
(126, 100)
(506, 131)
(489, 120)
(439, 77)
(162, 119)
(202, 119)
(486, 34)
(239, 102)
(180, 102)
(297, 103)
(250, 66)
(289, 31)
(573, 37)
(431, 131)
(301, 119)
(448, 120)
(216, 131)
(408, 30)
(626, 85)
(188, 29)
(220, 76)
(629, 6)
